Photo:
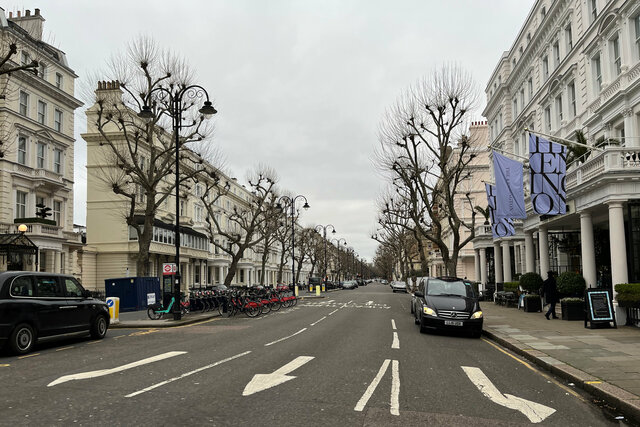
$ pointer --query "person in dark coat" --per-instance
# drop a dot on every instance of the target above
(550, 292)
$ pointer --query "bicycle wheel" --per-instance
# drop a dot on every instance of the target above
(153, 315)
(266, 308)
(294, 302)
(275, 305)
(253, 311)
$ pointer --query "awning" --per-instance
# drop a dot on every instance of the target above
(17, 243)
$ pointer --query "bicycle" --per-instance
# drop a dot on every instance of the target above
(157, 311)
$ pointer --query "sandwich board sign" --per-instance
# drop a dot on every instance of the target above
(599, 307)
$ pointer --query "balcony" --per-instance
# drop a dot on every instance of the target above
(34, 228)
(613, 160)
(46, 178)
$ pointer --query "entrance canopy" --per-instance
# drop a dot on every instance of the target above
(17, 243)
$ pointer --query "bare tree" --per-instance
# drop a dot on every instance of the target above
(268, 230)
(416, 153)
(305, 240)
(138, 156)
(239, 227)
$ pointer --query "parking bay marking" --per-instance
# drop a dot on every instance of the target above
(396, 341)
(103, 372)
(535, 412)
(287, 337)
(395, 388)
(186, 374)
(318, 321)
(261, 382)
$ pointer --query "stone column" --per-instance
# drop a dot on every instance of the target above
(530, 256)
(483, 268)
(617, 245)
(630, 129)
(543, 246)
(497, 256)
(588, 250)
(506, 262)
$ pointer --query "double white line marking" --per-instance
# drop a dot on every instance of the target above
(395, 387)
(396, 340)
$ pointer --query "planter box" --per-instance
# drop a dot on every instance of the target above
(532, 305)
(572, 311)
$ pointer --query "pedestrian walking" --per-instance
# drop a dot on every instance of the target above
(550, 292)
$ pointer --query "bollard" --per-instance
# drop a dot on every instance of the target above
(296, 290)
(310, 288)
(323, 288)
(317, 290)
(114, 309)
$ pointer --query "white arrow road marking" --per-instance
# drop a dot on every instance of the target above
(187, 374)
(261, 382)
(393, 324)
(285, 338)
(372, 387)
(532, 410)
(103, 372)
(395, 388)
(318, 321)
(396, 341)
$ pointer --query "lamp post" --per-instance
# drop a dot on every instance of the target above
(283, 202)
(175, 96)
(324, 228)
(338, 241)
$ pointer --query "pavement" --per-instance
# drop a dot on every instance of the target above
(603, 362)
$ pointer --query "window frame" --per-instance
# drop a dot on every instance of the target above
(59, 80)
(42, 112)
(596, 69)
(57, 119)
(545, 67)
(571, 98)
(22, 150)
(57, 211)
(41, 158)
(23, 108)
(58, 162)
(21, 205)
(616, 62)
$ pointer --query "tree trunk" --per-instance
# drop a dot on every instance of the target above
(281, 266)
(144, 243)
(299, 269)
(232, 270)
(263, 266)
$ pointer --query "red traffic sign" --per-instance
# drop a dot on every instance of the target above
(169, 269)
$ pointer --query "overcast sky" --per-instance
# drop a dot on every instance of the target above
(299, 85)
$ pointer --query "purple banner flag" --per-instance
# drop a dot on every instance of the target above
(500, 227)
(509, 187)
(548, 165)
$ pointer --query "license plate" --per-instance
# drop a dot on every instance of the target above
(453, 323)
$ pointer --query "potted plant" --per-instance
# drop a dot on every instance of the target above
(571, 286)
(531, 283)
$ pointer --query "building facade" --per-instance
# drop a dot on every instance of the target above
(36, 151)
(574, 69)
(112, 245)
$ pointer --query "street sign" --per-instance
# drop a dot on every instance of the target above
(169, 268)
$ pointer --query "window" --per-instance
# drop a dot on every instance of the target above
(22, 150)
(42, 150)
(73, 289)
(545, 68)
(593, 9)
(57, 209)
(48, 287)
(530, 88)
(556, 54)
(197, 210)
(182, 207)
(515, 107)
(57, 120)
(615, 55)
(21, 204)
(597, 73)
(543, 12)
(547, 119)
(571, 90)
(22, 287)
(522, 103)
(59, 80)
(24, 103)
(528, 38)
(25, 58)
(42, 112)
(57, 161)
(568, 37)
(636, 22)
(558, 110)
(42, 70)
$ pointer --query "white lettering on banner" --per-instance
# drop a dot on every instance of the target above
(548, 167)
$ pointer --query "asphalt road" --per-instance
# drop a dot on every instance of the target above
(352, 358)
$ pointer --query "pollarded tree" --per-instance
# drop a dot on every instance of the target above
(424, 152)
(238, 227)
(137, 156)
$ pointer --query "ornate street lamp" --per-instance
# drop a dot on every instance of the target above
(176, 95)
(338, 242)
(283, 202)
(324, 228)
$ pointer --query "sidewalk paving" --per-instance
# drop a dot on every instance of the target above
(603, 362)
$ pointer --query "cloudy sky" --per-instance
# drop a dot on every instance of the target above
(299, 85)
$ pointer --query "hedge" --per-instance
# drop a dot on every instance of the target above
(571, 284)
(531, 282)
(628, 294)
(511, 286)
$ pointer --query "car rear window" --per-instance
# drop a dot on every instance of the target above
(437, 287)
(22, 287)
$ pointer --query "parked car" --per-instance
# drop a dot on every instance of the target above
(448, 303)
(35, 305)
(349, 284)
(399, 286)
(414, 299)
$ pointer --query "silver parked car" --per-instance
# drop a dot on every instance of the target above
(398, 286)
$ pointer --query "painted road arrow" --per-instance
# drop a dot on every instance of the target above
(261, 382)
(532, 410)
(103, 372)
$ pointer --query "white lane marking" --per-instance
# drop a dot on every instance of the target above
(532, 410)
(103, 372)
(334, 311)
(330, 301)
(285, 338)
(318, 321)
(372, 387)
(393, 324)
(195, 371)
(396, 341)
(395, 388)
(261, 382)
(369, 303)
